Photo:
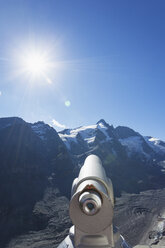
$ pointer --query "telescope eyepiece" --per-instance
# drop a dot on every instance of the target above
(90, 202)
(90, 206)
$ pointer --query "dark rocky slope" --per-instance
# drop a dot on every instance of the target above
(29, 164)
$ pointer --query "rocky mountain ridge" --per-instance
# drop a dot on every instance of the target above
(134, 143)
(133, 162)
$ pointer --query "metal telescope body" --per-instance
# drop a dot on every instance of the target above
(91, 209)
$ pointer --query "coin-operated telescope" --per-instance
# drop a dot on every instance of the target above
(91, 209)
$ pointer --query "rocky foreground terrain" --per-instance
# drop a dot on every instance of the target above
(136, 216)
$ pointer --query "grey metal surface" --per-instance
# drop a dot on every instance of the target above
(91, 209)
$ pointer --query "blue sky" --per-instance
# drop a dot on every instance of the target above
(108, 62)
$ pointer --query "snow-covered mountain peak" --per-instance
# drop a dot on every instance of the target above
(156, 144)
(155, 141)
(102, 122)
(87, 138)
(103, 127)
(134, 144)
(85, 134)
(83, 129)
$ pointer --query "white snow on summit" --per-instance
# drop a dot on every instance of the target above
(103, 129)
(133, 145)
(87, 133)
(155, 144)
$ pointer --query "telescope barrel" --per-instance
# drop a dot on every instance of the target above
(91, 210)
(91, 205)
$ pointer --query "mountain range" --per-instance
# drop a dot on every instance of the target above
(38, 165)
(133, 162)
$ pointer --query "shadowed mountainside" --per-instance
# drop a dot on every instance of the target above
(29, 165)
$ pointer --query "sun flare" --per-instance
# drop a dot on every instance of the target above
(36, 63)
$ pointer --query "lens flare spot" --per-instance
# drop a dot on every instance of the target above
(67, 103)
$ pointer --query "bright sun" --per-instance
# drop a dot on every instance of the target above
(35, 63)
